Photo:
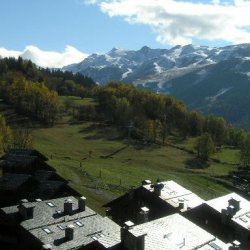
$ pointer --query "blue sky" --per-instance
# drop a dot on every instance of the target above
(68, 30)
(53, 24)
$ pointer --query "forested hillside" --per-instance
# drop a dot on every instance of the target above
(143, 115)
(150, 117)
(104, 139)
(213, 80)
(34, 91)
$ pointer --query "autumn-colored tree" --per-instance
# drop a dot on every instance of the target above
(245, 153)
(216, 126)
(204, 146)
(163, 128)
(33, 99)
(22, 139)
(196, 123)
(5, 136)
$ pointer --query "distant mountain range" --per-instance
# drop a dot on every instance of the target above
(212, 80)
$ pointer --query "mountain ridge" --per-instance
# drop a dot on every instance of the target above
(211, 79)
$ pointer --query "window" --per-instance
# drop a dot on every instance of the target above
(214, 246)
(101, 235)
(50, 204)
(97, 236)
(78, 223)
(62, 227)
(47, 230)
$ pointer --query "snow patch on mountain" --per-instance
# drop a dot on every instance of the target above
(222, 92)
(158, 69)
(124, 75)
(155, 67)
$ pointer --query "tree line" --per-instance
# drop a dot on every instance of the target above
(33, 91)
(150, 116)
(63, 82)
(33, 99)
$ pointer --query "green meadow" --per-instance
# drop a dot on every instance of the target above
(101, 165)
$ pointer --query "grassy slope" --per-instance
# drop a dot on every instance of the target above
(100, 179)
(70, 144)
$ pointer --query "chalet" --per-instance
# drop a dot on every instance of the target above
(63, 223)
(24, 161)
(228, 217)
(26, 175)
(162, 199)
(42, 184)
(172, 232)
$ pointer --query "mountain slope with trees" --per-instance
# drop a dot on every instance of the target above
(211, 80)
(107, 138)
(34, 91)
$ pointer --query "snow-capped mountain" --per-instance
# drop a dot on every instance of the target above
(154, 65)
(207, 78)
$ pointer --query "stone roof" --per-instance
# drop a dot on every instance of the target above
(11, 182)
(49, 222)
(19, 160)
(171, 192)
(44, 175)
(175, 232)
(24, 152)
(87, 230)
(241, 216)
(174, 194)
(47, 189)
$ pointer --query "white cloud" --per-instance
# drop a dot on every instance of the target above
(179, 22)
(49, 59)
(216, 1)
(90, 2)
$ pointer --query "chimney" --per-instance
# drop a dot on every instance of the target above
(231, 211)
(26, 209)
(224, 216)
(157, 188)
(128, 225)
(140, 241)
(235, 245)
(143, 215)
(235, 203)
(129, 240)
(69, 232)
(82, 204)
(23, 201)
(68, 206)
(47, 247)
(181, 203)
(124, 232)
(146, 182)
